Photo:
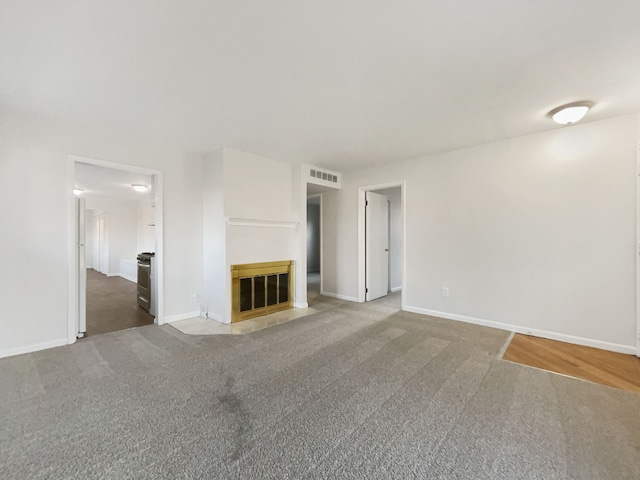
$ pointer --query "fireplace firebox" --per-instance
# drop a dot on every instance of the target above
(261, 288)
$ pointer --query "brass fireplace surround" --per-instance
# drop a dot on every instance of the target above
(261, 288)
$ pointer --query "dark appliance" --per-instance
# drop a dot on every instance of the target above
(145, 279)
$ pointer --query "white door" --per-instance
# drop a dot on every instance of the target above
(82, 267)
(376, 245)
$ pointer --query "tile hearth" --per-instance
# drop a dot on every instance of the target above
(208, 326)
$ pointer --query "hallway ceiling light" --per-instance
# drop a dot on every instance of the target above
(570, 113)
(140, 188)
(77, 191)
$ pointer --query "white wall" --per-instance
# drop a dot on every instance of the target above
(336, 277)
(256, 187)
(394, 195)
(35, 195)
(537, 232)
(122, 239)
(34, 245)
(299, 174)
(216, 294)
(253, 244)
(146, 233)
(191, 246)
(121, 222)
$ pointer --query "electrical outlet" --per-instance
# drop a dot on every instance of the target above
(445, 292)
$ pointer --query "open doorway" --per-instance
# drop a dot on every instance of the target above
(381, 241)
(117, 242)
(314, 246)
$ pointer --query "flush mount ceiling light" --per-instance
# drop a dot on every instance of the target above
(140, 188)
(77, 191)
(570, 113)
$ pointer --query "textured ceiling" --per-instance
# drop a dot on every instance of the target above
(342, 85)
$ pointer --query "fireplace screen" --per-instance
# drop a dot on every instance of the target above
(261, 288)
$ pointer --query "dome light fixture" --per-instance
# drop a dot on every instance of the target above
(140, 188)
(570, 113)
(77, 191)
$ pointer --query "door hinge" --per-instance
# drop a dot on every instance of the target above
(366, 203)
(366, 290)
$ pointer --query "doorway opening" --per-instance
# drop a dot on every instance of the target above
(381, 244)
(117, 260)
(315, 245)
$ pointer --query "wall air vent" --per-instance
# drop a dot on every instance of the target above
(323, 177)
(329, 177)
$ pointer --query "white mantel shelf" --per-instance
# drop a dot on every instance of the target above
(250, 222)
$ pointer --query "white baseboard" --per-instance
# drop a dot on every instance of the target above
(113, 274)
(131, 279)
(562, 337)
(300, 305)
(396, 289)
(338, 296)
(10, 352)
(181, 316)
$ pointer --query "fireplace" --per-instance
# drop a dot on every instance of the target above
(261, 288)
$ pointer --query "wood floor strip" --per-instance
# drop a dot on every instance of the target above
(587, 363)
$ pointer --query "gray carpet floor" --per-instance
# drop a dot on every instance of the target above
(355, 391)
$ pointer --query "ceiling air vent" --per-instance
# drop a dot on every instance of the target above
(328, 177)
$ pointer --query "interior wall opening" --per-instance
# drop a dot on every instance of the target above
(314, 239)
(117, 270)
(382, 242)
(315, 253)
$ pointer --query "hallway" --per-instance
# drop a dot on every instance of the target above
(111, 304)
